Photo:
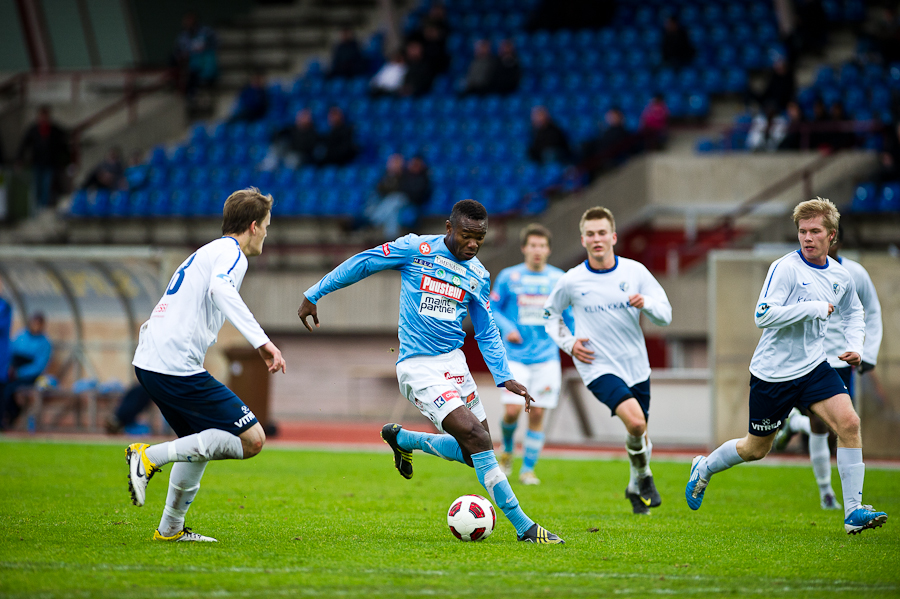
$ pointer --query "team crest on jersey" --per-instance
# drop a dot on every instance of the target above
(623, 285)
(473, 285)
(456, 281)
(424, 248)
(836, 288)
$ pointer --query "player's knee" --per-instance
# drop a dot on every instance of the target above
(253, 444)
(849, 426)
(474, 439)
(636, 428)
(757, 452)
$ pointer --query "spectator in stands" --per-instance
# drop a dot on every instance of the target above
(597, 153)
(781, 86)
(419, 76)
(883, 30)
(841, 137)
(46, 147)
(812, 25)
(295, 145)
(110, 173)
(415, 184)
(548, 142)
(253, 102)
(29, 355)
(767, 130)
(677, 49)
(336, 145)
(437, 18)
(195, 57)
(889, 157)
(509, 72)
(389, 78)
(347, 59)
(654, 123)
(385, 210)
(819, 137)
(794, 138)
(482, 74)
(434, 49)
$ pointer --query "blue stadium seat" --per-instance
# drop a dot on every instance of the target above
(159, 203)
(865, 198)
(178, 203)
(753, 56)
(79, 204)
(158, 157)
(736, 80)
(713, 81)
(178, 177)
(157, 176)
(889, 198)
(139, 203)
(119, 204)
(698, 105)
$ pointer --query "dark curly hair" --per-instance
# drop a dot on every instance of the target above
(468, 209)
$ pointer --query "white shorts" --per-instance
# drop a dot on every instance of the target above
(542, 380)
(438, 384)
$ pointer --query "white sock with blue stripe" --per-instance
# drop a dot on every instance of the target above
(211, 444)
(497, 486)
(534, 443)
(184, 482)
(442, 446)
(509, 430)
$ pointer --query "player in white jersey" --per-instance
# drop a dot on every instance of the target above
(608, 294)
(835, 343)
(789, 367)
(211, 422)
(518, 297)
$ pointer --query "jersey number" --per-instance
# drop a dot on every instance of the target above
(178, 277)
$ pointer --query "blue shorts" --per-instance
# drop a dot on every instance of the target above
(611, 391)
(195, 403)
(846, 374)
(770, 403)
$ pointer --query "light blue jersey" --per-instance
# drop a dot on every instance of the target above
(518, 299)
(436, 294)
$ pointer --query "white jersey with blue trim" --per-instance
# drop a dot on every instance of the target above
(835, 342)
(599, 300)
(518, 298)
(436, 293)
(185, 323)
(793, 311)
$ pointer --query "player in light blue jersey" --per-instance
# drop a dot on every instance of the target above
(441, 283)
(518, 298)
(789, 367)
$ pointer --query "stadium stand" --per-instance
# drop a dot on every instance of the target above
(477, 148)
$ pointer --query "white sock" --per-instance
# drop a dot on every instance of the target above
(211, 444)
(639, 458)
(853, 472)
(820, 455)
(184, 482)
(722, 458)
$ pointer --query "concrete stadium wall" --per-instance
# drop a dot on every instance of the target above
(735, 280)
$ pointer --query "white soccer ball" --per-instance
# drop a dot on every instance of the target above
(471, 518)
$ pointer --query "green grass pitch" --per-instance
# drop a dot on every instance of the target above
(338, 524)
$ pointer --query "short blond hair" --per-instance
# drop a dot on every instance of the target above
(831, 218)
(597, 213)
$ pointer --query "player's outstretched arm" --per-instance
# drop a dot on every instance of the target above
(272, 357)
(307, 308)
(519, 389)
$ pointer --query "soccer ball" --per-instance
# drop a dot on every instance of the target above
(471, 518)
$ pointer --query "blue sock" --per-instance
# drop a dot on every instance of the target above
(497, 486)
(534, 442)
(443, 446)
(508, 431)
